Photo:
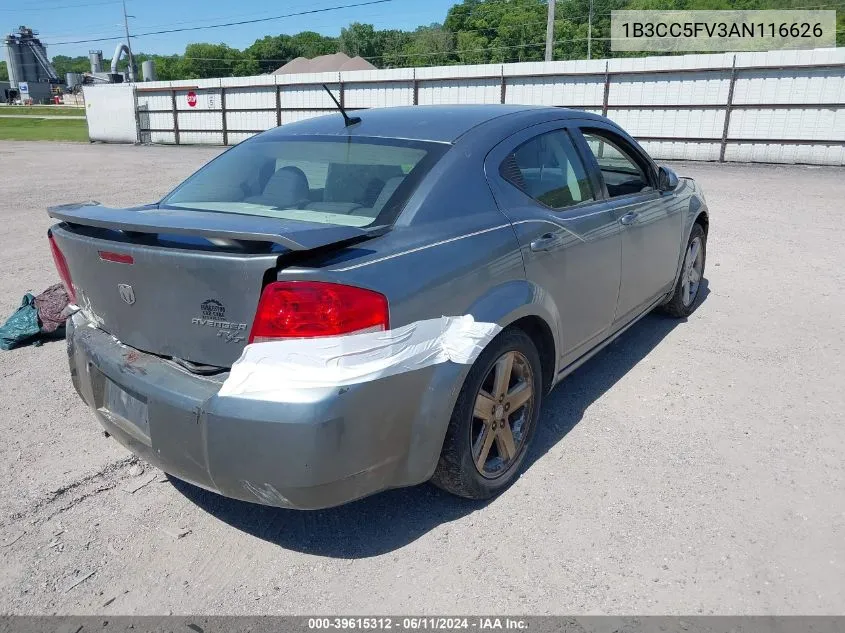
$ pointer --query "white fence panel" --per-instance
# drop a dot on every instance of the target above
(154, 100)
(677, 106)
(378, 95)
(251, 97)
(776, 153)
(679, 150)
(586, 90)
(238, 137)
(303, 96)
(668, 123)
(439, 91)
(794, 85)
(801, 124)
(250, 121)
(292, 116)
(200, 121)
(111, 113)
(695, 88)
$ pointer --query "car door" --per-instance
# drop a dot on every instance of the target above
(569, 236)
(650, 223)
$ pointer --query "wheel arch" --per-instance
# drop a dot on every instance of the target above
(541, 335)
(703, 218)
(524, 305)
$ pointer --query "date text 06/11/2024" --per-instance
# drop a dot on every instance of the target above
(417, 623)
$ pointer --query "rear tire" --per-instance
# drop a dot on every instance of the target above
(494, 419)
(685, 295)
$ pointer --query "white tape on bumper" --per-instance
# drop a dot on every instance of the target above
(271, 370)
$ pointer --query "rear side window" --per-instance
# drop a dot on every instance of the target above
(619, 167)
(548, 169)
(353, 181)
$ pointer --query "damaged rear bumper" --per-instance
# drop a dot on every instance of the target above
(319, 448)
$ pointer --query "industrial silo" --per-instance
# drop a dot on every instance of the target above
(148, 70)
(29, 64)
(96, 59)
(13, 60)
(72, 80)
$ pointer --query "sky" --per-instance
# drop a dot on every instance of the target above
(61, 21)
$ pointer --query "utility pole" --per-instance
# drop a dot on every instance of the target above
(128, 44)
(550, 31)
(590, 31)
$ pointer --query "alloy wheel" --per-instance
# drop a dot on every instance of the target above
(692, 272)
(502, 415)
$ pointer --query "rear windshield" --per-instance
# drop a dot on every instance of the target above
(352, 181)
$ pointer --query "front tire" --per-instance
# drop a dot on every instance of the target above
(683, 300)
(494, 419)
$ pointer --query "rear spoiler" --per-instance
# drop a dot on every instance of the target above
(291, 234)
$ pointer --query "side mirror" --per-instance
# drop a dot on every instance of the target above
(667, 180)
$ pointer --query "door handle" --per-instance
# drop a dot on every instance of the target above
(545, 242)
(629, 218)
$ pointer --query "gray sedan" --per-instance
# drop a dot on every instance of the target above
(344, 305)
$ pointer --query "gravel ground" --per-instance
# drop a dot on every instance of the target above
(690, 468)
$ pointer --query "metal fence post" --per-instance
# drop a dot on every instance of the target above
(137, 116)
(223, 113)
(416, 89)
(503, 88)
(606, 89)
(728, 108)
(175, 115)
(278, 105)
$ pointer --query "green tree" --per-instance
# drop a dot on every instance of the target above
(64, 64)
(202, 61)
(169, 67)
(504, 30)
(472, 47)
(310, 44)
(271, 51)
(430, 45)
(392, 43)
(4, 72)
(360, 39)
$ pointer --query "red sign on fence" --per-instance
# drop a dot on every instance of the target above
(192, 99)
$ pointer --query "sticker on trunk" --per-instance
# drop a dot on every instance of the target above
(214, 316)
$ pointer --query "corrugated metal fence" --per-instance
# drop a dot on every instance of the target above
(782, 106)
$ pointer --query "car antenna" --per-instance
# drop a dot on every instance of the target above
(350, 120)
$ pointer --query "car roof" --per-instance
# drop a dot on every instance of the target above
(442, 123)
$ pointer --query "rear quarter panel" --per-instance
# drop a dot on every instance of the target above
(451, 253)
(690, 197)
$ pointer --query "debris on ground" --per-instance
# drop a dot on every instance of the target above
(54, 308)
(12, 539)
(37, 319)
(176, 533)
(80, 580)
(22, 327)
(134, 486)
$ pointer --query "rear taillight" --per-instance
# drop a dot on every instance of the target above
(61, 266)
(307, 309)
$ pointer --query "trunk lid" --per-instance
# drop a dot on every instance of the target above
(182, 296)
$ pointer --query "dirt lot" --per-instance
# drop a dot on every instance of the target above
(691, 468)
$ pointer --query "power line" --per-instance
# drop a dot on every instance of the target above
(237, 23)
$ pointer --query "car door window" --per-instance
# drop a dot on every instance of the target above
(622, 173)
(548, 169)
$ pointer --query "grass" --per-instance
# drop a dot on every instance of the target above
(43, 130)
(43, 110)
